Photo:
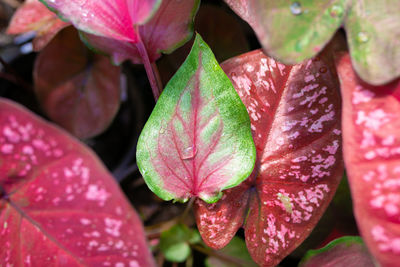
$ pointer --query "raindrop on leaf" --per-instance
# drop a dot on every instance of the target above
(189, 152)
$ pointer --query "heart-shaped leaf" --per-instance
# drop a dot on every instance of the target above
(170, 27)
(197, 140)
(114, 19)
(348, 251)
(77, 89)
(295, 120)
(292, 31)
(59, 206)
(34, 16)
(371, 136)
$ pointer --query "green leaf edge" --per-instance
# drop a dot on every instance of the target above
(152, 184)
(347, 240)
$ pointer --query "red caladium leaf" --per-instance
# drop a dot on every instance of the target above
(348, 251)
(371, 135)
(34, 16)
(295, 121)
(77, 88)
(114, 19)
(59, 206)
(170, 27)
(197, 141)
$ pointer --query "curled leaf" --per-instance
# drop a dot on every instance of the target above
(34, 16)
(371, 136)
(295, 121)
(197, 141)
(170, 27)
(114, 19)
(77, 89)
(59, 206)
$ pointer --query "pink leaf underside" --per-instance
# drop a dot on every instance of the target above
(371, 134)
(77, 89)
(168, 28)
(62, 207)
(114, 19)
(34, 16)
(295, 116)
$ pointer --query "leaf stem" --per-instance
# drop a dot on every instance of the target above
(155, 230)
(151, 75)
(157, 75)
(187, 209)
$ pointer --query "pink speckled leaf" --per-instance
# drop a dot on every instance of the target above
(114, 19)
(295, 118)
(170, 27)
(34, 16)
(371, 136)
(77, 89)
(59, 206)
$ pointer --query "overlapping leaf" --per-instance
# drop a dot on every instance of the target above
(197, 141)
(224, 34)
(77, 89)
(58, 204)
(292, 31)
(169, 28)
(371, 135)
(348, 251)
(114, 19)
(34, 16)
(295, 121)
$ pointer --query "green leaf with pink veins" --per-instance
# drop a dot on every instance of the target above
(197, 142)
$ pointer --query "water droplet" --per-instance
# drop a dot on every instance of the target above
(296, 9)
(323, 70)
(336, 11)
(362, 37)
(189, 152)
